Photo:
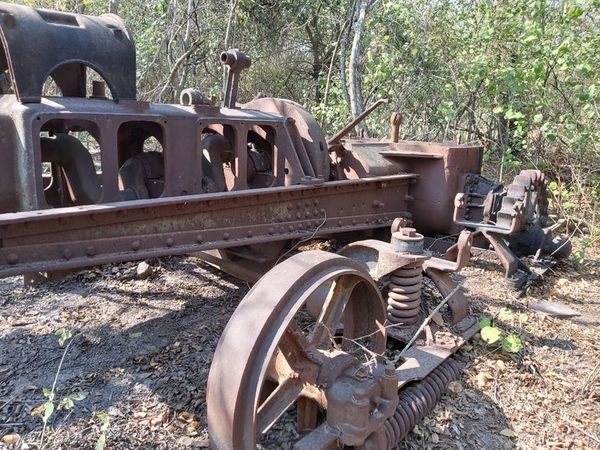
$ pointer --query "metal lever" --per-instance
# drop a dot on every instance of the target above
(234, 61)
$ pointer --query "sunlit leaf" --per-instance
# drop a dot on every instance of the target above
(485, 322)
(512, 344)
(48, 410)
(490, 335)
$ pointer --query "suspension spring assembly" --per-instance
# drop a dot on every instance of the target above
(418, 400)
(404, 296)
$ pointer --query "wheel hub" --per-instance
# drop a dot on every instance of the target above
(361, 400)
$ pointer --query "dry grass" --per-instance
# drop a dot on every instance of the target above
(142, 350)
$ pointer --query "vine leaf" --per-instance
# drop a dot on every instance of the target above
(512, 344)
(490, 334)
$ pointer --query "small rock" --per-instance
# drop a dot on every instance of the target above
(139, 414)
(455, 387)
(10, 439)
(144, 270)
(190, 442)
(507, 432)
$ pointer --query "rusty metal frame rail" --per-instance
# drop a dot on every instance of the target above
(67, 238)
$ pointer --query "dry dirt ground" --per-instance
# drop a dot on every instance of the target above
(140, 353)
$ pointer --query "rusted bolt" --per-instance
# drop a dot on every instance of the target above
(250, 233)
(389, 372)
(12, 258)
(407, 240)
(90, 251)
(409, 232)
(299, 215)
(198, 238)
(316, 202)
(271, 230)
(135, 245)
(67, 253)
(169, 242)
(225, 236)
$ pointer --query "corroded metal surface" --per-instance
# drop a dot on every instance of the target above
(40, 43)
(248, 183)
(418, 400)
(272, 341)
(64, 238)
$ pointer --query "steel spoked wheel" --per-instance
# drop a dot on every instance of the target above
(274, 355)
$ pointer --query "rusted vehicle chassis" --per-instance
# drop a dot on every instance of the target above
(346, 341)
(83, 236)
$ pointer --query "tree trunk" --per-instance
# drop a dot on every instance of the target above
(343, 74)
(356, 100)
(113, 6)
(230, 22)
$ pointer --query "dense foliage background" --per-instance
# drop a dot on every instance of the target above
(521, 76)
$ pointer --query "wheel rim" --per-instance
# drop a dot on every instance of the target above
(269, 338)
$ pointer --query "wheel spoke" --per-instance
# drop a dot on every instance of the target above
(307, 410)
(331, 314)
(277, 403)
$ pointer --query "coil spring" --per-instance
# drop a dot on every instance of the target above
(404, 296)
(417, 400)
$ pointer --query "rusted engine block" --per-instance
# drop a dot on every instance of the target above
(94, 176)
